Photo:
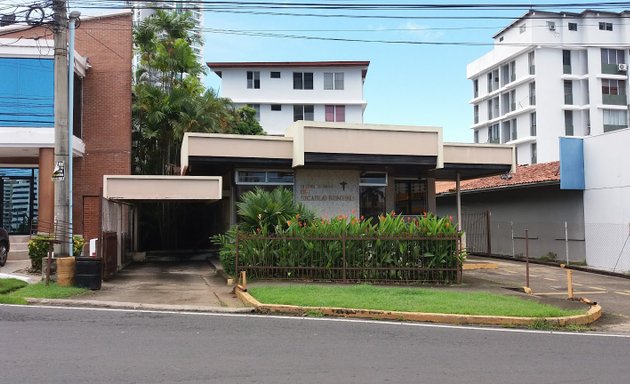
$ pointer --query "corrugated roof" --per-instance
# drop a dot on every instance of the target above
(524, 175)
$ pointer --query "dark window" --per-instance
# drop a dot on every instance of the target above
(275, 75)
(253, 79)
(605, 26)
(303, 112)
(572, 26)
(77, 115)
(411, 197)
(302, 80)
(276, 107)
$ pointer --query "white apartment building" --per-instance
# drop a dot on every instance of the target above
(551, 75)
(285, 92)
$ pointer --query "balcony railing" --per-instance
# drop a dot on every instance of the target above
(615, 99)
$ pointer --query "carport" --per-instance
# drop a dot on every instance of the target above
(124, 198)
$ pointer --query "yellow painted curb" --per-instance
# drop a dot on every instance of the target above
(594, 313)
(473, 266)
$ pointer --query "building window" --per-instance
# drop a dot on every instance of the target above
(476, 136)
(566, 61)
(573, 27)
(247, 180)
(551, 25)
(410, 196)
(476, 88)
(532, 93)
(302, 80)
(257, 108)
(605, 26)
(568, 123)
(532, 124)
(333, 80)
(534, 155)
(531, 61)
(372, 194)
(611, 58)
(614, 92)
(303, 112)
(493, 80)
(568, 92)
(615, 119)
(522, 28)
(276, 107)
(509, 131)
(253, 79)
(336, 113)
(493, 134)
(493, 108)
(476, 113)
(274, 75)
(508, 73)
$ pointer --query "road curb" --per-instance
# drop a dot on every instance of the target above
(135, 306)
(594, 313)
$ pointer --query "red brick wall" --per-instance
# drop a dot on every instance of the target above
(107, 43)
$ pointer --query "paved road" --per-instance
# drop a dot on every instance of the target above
(613, 293)
(46, 345)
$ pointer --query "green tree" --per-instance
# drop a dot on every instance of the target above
(169, 99)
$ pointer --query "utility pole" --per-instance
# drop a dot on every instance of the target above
(62, 150)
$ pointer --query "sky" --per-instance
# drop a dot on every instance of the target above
(419, 82)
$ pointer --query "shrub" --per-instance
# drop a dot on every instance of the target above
(399, 242)
(38, 249)
(266, 212)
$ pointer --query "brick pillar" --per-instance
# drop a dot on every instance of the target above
(46, 193)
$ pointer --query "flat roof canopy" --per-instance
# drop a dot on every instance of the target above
(340, 145)
(160, 188)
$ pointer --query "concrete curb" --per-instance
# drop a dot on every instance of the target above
(135, 306)
(27, 279)
(594, 313)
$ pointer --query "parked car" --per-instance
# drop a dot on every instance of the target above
(4, 246)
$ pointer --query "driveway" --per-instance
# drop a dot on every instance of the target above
(613, 293)
(181, 284)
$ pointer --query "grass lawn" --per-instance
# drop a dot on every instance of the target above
(8, 285)
(39, 290)
(405, 299)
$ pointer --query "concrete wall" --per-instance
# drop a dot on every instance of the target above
(323, 192)
(541, 210)
(607, 200)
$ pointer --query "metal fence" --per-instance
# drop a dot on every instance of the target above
(399, 260)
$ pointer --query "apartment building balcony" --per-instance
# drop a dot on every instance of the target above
(615, 99)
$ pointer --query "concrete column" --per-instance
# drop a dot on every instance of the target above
(46, 190)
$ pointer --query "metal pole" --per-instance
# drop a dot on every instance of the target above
(512, 231)
(566, 241)
(527, 258)
(61, 118)
(489, 238)
(459, 201)
(73, 19)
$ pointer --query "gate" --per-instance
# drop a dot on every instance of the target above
(476, 225)
(110, 254)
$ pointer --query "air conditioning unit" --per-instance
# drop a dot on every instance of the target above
(622, 67)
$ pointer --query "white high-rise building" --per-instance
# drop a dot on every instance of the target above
(551, 75)
(284, 92)
(144, 9)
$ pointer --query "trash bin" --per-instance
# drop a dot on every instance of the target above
(88, 272)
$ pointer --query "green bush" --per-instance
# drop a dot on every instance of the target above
(396, 242)
(38, 249)
(266, 212)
